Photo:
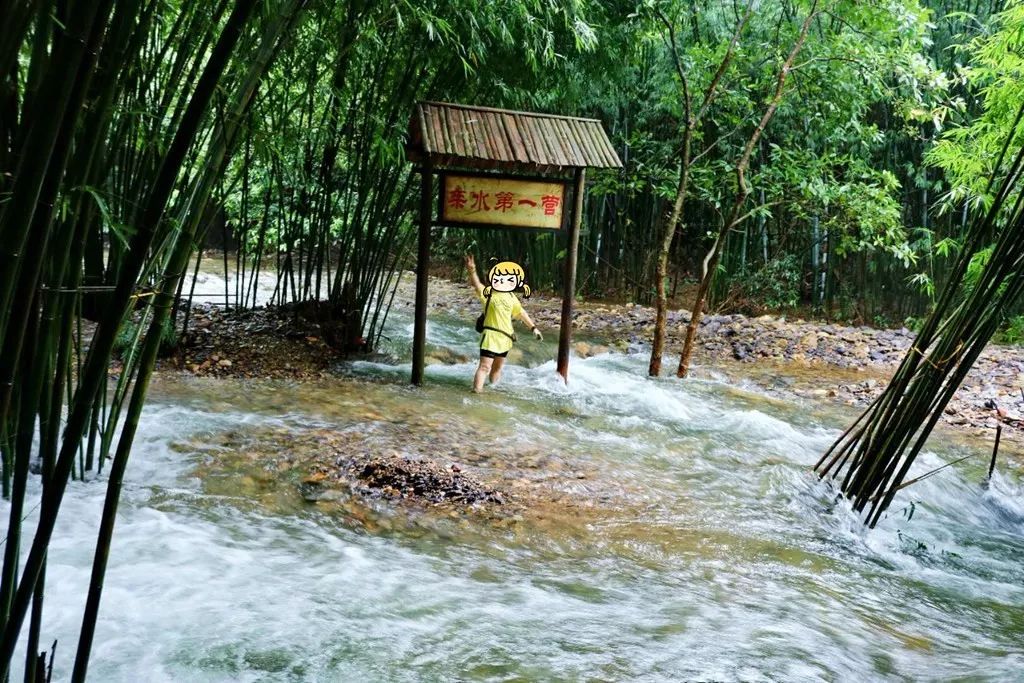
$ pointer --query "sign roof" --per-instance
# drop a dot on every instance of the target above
(457, 135)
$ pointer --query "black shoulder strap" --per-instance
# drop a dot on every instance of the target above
(510, 336)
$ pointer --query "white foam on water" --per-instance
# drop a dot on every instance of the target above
(749, 571)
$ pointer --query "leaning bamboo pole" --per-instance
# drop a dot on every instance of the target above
(874, 456)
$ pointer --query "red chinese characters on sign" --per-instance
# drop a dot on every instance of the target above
(502, 201)
(480, 201)
(550, 203)
(457, 197)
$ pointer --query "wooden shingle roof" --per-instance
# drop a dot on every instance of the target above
(457, 135)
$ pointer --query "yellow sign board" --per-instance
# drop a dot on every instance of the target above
(496, 201)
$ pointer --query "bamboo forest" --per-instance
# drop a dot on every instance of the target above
(521, 340)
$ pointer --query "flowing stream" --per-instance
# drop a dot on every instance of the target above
(709, 551)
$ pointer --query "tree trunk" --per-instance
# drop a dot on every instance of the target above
(742, 191)
(661, 270)
(692, 121)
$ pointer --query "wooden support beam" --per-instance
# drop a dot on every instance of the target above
(569, 280)
(419, 338)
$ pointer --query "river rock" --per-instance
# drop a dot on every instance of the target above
(809, 341)
(397, 477)
(585, 350)
(444, 356)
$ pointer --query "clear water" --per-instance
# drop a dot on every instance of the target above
(709, 552)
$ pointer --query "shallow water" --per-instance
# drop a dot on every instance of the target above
(713, 553)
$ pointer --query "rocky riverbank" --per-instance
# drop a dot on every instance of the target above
(806, 360)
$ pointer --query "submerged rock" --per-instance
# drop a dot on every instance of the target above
(445, 356)
(397, 477)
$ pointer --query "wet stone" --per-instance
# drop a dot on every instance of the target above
(397, 477)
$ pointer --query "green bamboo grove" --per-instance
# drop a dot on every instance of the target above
(778, 155)
(128, 131)
(850, 212)
(121, 152)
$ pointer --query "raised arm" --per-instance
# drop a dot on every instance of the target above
(474, 279)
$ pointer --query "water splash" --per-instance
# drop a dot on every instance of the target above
(733, 561)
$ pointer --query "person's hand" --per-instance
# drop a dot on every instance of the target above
(537, 335)
(470, 263)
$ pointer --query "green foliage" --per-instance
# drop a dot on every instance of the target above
(969, 150)
(924, 283)
(1013, 332)
(881, 321)
(913, 323)
(854, 203)
(130, 334)
(776, 283)
(976, 267)
(947, 247)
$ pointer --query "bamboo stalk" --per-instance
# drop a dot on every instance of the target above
(95, 364)
(879, 450)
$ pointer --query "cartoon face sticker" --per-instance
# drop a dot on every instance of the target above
(506, 276)
(504, 283)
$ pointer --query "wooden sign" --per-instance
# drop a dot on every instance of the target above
(501, 202)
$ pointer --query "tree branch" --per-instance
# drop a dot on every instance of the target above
(712, 89)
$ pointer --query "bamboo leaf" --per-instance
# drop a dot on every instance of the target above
(119, 230)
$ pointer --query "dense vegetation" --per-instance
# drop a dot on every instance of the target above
(828, 155)
(859, 186)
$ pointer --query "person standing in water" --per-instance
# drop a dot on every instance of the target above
(501, 305)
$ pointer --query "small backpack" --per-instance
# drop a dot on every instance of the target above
(480, 318)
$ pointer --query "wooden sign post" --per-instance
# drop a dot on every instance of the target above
(419, 336)
(569, 283)
(524, 187)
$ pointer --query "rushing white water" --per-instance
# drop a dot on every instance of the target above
(736, 566)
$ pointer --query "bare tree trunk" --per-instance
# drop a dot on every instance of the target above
(742, 192)
(692, 121)
(661, 269)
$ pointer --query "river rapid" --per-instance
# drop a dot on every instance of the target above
(710, 551)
